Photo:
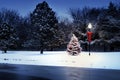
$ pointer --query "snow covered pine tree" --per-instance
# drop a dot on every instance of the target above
(73, 48)
(45, 23)
(8, 37)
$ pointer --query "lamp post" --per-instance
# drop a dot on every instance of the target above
(89, 35)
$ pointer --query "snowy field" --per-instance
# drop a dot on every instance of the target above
(102, 60)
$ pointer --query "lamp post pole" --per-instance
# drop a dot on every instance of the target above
(89, 35)
(89, 48)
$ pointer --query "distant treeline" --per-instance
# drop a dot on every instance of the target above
(43, 30)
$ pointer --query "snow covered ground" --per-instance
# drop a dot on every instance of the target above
(104, 60)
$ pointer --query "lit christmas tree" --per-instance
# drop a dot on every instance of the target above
(73, 48)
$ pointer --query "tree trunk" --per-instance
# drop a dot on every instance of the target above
(41, 51)
(104, 47)
(5, 51)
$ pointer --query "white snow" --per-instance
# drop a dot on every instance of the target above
(103, 60)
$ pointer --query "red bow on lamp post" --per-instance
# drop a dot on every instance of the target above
(89, 35)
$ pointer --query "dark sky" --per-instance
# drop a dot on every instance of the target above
(61, 7)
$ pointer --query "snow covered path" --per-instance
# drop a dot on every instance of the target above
(104, 60)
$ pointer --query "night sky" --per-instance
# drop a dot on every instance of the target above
(61, 7)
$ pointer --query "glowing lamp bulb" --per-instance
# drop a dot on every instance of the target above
(89, 25)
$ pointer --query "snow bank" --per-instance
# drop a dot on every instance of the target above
(104, 60)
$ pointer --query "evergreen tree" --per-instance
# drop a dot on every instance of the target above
(112, 10)
(45, 24)
(13, 18)
(107, 28)
(74, 47)
(7, 37)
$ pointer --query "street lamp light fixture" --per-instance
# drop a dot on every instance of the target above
(89, 26)
(89, 35)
